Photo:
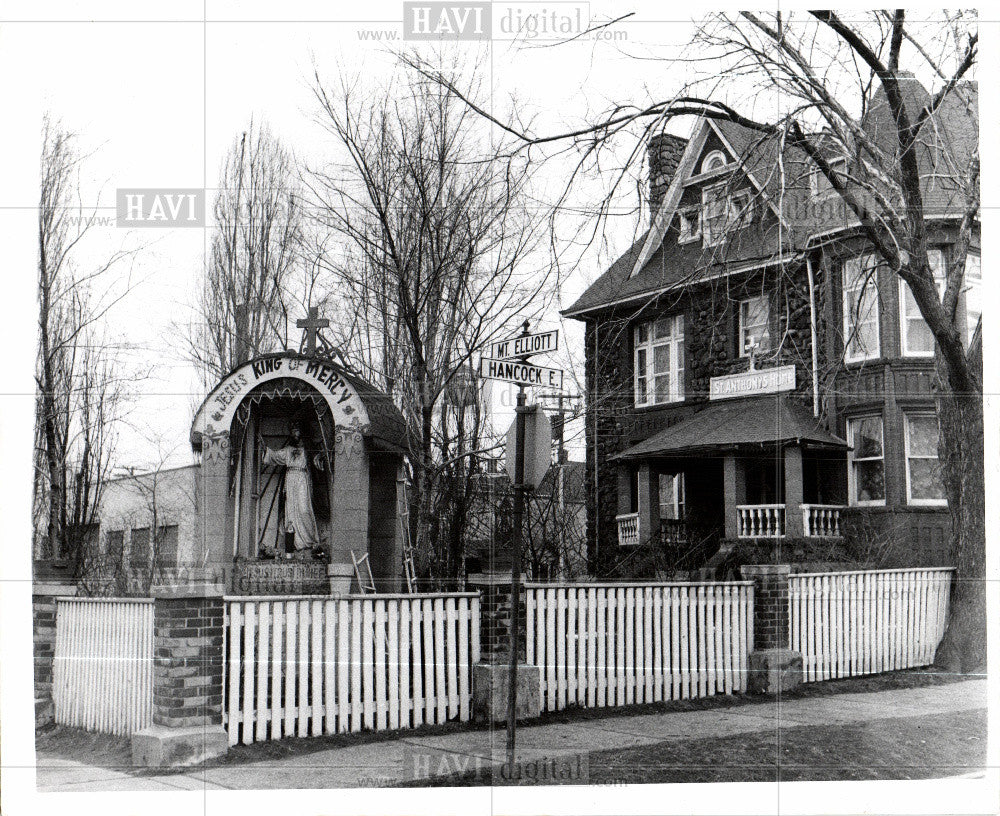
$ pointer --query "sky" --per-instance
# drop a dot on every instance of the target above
(157, 103)
(157, 95)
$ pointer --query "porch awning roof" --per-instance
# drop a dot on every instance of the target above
(736, 423)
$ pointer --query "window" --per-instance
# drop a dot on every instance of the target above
(818, 182)
(867, 460)
(916, 339)
(754, 331)
(861, 330)
(659, 361)
(713, 161)
(166, 544)
(973, 295)
(115, 543)
(671, 495)
(139, 550)
(690, 225)
(923, 472)
(722, 211)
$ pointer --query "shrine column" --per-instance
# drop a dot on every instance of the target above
(213, 548)
(350, 506)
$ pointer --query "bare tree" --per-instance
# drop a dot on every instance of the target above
(81, 379)
(824, 75)
(434, 262)
(243, 308)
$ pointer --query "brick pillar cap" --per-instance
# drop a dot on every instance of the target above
(491, 578)
(53, 588)
(207, 590)
(754, 570)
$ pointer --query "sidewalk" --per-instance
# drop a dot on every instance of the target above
(392, 762)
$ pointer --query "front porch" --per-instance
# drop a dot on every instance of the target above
(756, 469)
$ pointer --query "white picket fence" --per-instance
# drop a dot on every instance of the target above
(318, 665)
(102, 671)
(852, 623)
(615, 644)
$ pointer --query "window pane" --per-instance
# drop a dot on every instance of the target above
(662, 389)
(923, 435)
(661, 359)
(867, 437)
(925, 480)
(869, 480)
(643, 333)
(919, 339)
(640, 389)
(663, 328)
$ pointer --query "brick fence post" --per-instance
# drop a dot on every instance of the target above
(187, 678)
(43, 632)
(490, 677)
(774, 667)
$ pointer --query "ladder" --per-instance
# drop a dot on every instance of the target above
(364, 586)
(403, 514)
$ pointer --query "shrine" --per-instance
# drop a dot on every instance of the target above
(301, 464)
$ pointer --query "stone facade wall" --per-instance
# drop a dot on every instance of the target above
(663, 155)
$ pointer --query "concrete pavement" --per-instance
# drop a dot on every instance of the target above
(390, 762)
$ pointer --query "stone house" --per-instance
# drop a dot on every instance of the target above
(758, 385)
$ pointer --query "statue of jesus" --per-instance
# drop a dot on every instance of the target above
(300, 520)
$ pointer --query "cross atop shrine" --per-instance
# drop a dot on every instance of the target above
(312, 324)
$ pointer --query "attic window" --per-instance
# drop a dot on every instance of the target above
(820, 184)
(690, 224)
(713, 161)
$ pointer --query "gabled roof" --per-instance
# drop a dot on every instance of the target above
(781, 173)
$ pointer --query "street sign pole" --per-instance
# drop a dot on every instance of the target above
(515, 570)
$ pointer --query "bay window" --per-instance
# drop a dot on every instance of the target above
(866, 472)
(659, 361)
(915, 336)
(860, 304)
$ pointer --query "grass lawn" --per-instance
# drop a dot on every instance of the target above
(897, 748)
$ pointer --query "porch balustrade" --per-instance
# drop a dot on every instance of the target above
(821, 520)
(761, 520)
(674, 532)
(628, 529)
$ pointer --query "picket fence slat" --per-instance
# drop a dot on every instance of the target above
(309, 666)
(609, 645)
(102, 677)
(854, 623)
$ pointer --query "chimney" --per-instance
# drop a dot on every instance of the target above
(663, 154)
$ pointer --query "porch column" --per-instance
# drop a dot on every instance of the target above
(649, 504)
(734, 492)
(793, 492)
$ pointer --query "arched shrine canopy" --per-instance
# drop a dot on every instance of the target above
(352, 402)
(354, 439)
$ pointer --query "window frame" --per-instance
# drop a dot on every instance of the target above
(684, 214)
(712, 156)
(852, 482)
(848, 328)
(741, 325)
(647, 350)
(678, 499)
(907, 415)
(839, 164)
(904, 319)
